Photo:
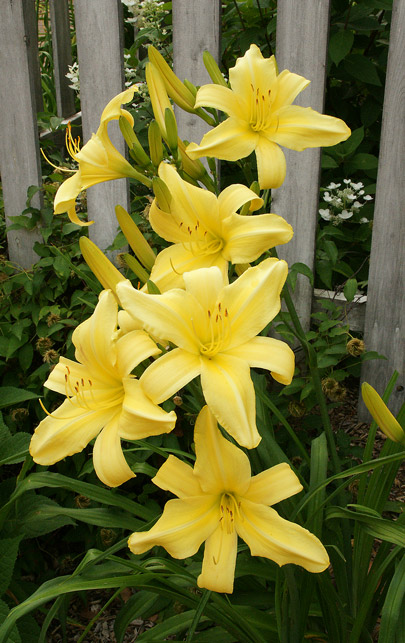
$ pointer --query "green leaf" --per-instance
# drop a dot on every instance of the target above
(8, 346)
(13, 635)
(362, 69)
(15, 448)
(302, 269)
(173, 625)
(353, 142)
(392, 611)
(340, 45)
(328, 162)
(25, 356)
(362, 161)
(350, 289)
(34, 518)
(375, 526)
(140, 605)
(8, 556)
(10, 395)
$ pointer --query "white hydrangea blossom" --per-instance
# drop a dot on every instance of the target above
(343, 203)
(73, 76)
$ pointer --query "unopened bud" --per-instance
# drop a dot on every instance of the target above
(382, 415)
(136, 267)
(158, 96)
(107, 274)
(155, 144)
(135, 148)
(135, 238)
(213, 69)
(177, 90)
(177, 400)
(171, 131)
(162, 194)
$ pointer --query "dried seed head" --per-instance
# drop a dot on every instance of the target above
(355, 347)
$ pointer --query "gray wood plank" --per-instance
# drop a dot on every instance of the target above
(99, 32)
(19, 150)
(196, 28)
(62, 56)
(385, 314)
(31, 41)
(302, 41)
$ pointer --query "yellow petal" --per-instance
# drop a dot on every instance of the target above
(109, 461)
(177, 477)
(220, 466)
(229, 392)
(132, 349)
(231, 140)
(271, 163)
(140, 417)
(190, 205)
(252, 70)
(174, 261)
(94, 338)
(65, 198)
(249, 237)
(169, 374)
(269, 535)
(205, 285)
(221, 98)
(164, 316)
(273, 485)
(302, 127)
(218, 568)
(381, 414)
(254, 299)
(265, 352)
(113, 111)
(165, 225)
(286, 88)
(184, 525)
(66, 432)
(57, 381)
(234, 196)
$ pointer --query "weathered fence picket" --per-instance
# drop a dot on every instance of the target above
(302, 41)
(302, 47)
(385, 311)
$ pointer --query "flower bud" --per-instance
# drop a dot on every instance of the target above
(102, 268)
(296, 409)
(158, 96)
(213, 69)
(135, 238)
(135, 148)
(174, 87)
(162, 194)
(136, 267)
(171, 131)
(155, 144)
(382, 415)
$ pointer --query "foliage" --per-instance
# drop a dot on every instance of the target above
(72, 532)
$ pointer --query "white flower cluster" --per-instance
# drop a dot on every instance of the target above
(73, 76)
(343, 203)
(146, 14)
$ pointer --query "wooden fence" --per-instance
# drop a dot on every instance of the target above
(302, 41)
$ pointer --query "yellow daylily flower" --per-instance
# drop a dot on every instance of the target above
(102, 398)
(206, 230)
(218, 501)
(382, 415)
(214, 325)
(262, 117)
(98, 160)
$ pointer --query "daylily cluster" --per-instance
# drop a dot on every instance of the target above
(194, 317)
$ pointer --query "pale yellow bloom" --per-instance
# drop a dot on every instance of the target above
(262, 117)
(382, 415)
(102, 397)
(206, 231)
(218, 501)
(213, 326)
(98, 160)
